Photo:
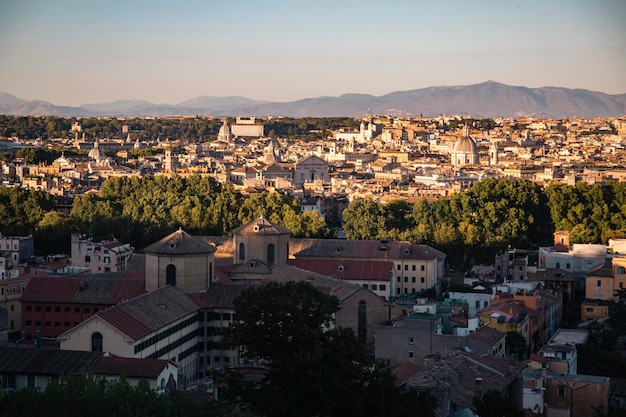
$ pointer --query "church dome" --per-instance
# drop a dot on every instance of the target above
(95, 152)
(465, 145)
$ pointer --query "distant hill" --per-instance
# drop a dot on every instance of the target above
(488, 99)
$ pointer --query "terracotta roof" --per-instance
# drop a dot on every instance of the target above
(108, 288)
(27, 360)
(179, 243)
(404, 370)
(487, 334)
(361, 249)
(129, 367)
(149, 312)
(346, 268)
(261, 226)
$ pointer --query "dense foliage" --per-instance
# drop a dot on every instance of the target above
(310, 371)
(191, 129)
(470, 226)
(89, 396)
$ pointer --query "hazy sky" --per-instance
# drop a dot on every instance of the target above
(83, 51)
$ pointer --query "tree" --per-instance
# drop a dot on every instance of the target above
(313, 369)
(495, 404)
(516, 345)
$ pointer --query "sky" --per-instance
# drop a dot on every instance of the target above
(73, 52)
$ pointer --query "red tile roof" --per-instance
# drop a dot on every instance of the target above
(348, 269)
(129, 367)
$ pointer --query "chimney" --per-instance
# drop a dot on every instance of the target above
(478, 388)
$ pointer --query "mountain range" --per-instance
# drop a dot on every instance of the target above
(488, 99)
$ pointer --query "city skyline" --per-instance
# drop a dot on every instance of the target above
(74, 53)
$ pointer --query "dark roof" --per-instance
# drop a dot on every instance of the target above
(180, 243)
(149, 312)
(361, 249)
(458, 374)
(261, 226)
(108, 288)
(27, 360)
(552, 274)
(349, 269)
(129, 367)
(487, 335)
(222, 295)
(602, 270)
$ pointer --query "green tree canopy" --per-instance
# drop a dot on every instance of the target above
(313, 369)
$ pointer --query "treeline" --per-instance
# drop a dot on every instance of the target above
(89, 396)
(190, 129)
(142, 210)
(471, 227)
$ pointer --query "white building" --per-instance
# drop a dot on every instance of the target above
(105, 256)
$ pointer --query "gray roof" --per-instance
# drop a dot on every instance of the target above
(27, 360)
(261, 226)
(361, 249)
(180, 243)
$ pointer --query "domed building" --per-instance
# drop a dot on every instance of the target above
(94, 153)
(224, 134)
(465, 151)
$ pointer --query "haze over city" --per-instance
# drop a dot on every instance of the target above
(72, 53)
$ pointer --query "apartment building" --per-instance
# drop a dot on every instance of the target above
(100, 257)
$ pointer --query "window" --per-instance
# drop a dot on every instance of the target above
(422, 268)
(521, 268)
(413, 279)
(375, 287)
(406, 279)
(30, 381)
(621, 270)
(382, 287)
(399, 267)
(170, 275)
(561, 390)
(242, 251)
(477, 303)
(589, 309)
(67, 310)
(406, 290)
(599, 283)
(96, 342)
(362, 322)
(558, 265)
(76, 309)
(87, 258)
(270, 254)
(86, 310)
(29, 308)
(422, 280)
(48, 309)
(28, 322)
(47, 324)
(399, 279)
(410, 353)
(57, 309)
(406, 267)
(38, 323)
(398, 291)
(567, 266)
(411, 341)
(412, 267)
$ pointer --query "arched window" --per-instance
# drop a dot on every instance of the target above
(558, 265)
(96, 342)
(242, 251)
(621, 270)
(210, 271)
(567, 266)
(362, 322)
(312, 176)
(270, 254)
(162, 383)
(170, 275)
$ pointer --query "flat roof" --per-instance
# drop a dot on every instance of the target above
(570, 336)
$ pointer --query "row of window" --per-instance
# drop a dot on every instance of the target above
(175, 344)
(49, 323)
(406, 267)
(376, 287)
(168, 332)
(57, 309)
(406, 279)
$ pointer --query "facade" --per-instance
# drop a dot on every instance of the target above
(310, 170)
(105, 256)
(505, 317)
(247, 126)
(511, 266)
(161, 324)
(26, 367)
(576, 395)
(15, 250)
(417, 267)
(180, 260)
(51, 305)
